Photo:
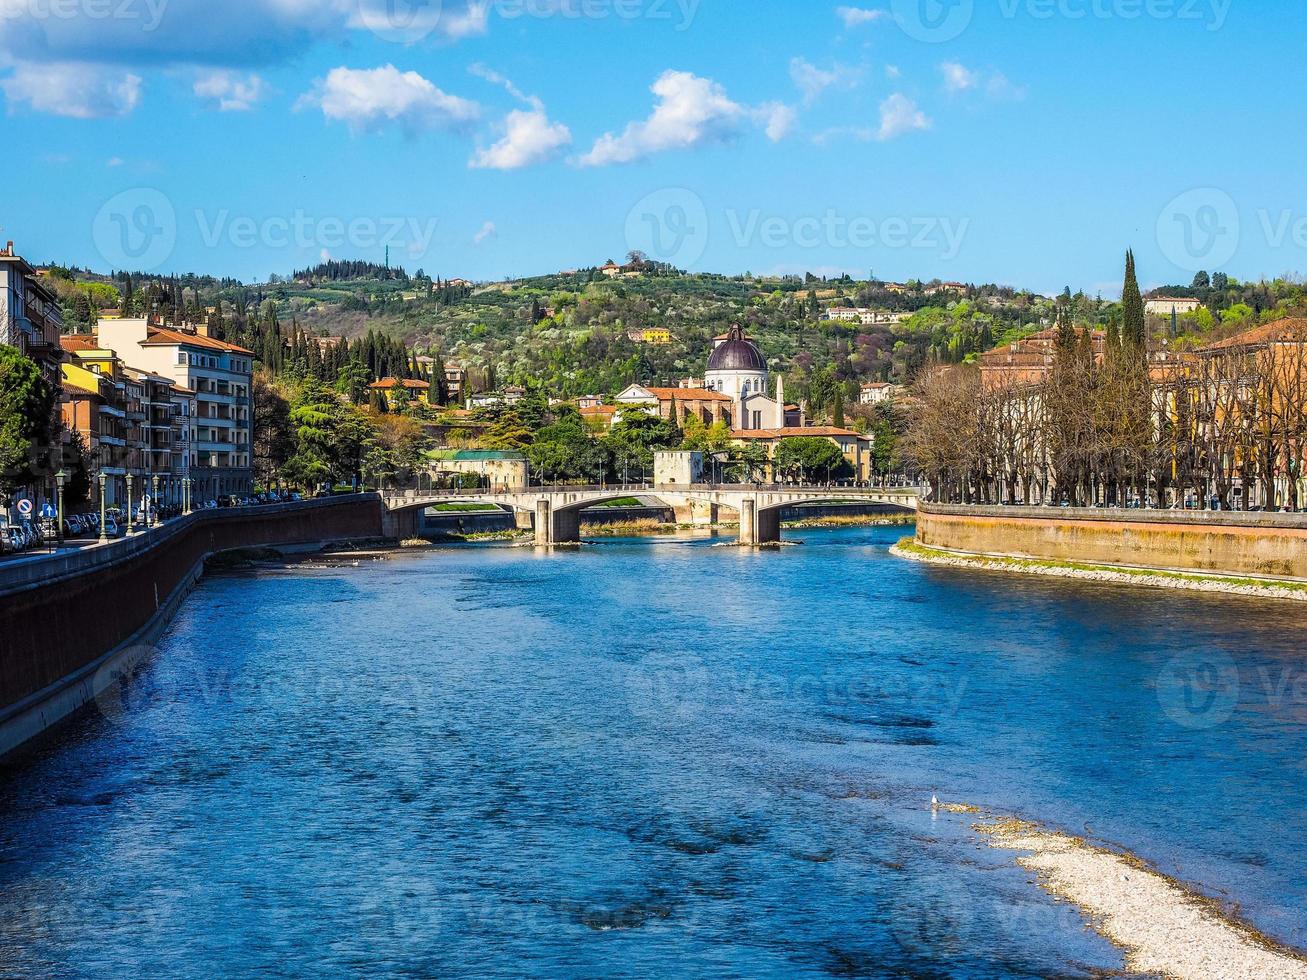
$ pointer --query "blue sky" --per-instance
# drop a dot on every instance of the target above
(1028, 142)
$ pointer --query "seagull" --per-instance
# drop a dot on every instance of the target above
(934, 802)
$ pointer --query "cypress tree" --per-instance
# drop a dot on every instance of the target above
(1133, 329)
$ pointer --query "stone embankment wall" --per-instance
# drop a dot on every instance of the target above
(63, 617)
(1261, 545)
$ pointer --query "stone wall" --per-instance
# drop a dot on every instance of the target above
(1267, 545)
(61, 617)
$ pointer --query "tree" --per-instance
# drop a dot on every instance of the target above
(837, 410)
(1202, 281)
(1134, 331)
(329, 435)
(27, 403)
(274, 442)
(811, 458)
(566, 450)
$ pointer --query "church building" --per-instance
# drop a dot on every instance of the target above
(737, 369)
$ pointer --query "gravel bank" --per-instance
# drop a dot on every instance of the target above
(1158, 579)
(1163, 928)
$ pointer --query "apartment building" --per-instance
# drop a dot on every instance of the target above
(31, 318)
(220, 376)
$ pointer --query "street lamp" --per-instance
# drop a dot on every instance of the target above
(129, 506)
(104, 530)
(155, 500)
(60, 479)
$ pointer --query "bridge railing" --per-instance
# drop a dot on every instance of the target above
(634, 488)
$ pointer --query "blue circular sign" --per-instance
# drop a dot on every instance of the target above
(25, 507)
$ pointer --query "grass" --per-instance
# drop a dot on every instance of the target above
(911, 546)
(466, 508)
(854, 520)
(624, 528)
(621, 502)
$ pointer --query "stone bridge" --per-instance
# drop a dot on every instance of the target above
(555, 512)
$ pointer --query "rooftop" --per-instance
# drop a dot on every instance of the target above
(1293, 329)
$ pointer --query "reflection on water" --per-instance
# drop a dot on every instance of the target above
(651, 757)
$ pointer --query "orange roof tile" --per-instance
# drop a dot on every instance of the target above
(689, 395)
(79, 341)
(164, 337)
(1290, 328)
(386, 384)
(796, 432)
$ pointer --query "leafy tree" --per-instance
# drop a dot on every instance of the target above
(27, 403)
(810, 458)
(274, 442)
(566, 450)
(329, 435)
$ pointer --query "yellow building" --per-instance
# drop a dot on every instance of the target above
(418, 391)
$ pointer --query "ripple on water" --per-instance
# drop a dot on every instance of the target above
(642, 759)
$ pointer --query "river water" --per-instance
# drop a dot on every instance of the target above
(652, 757)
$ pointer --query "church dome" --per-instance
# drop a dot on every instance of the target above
(737, 354)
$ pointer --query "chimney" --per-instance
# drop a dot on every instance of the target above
(9, 250)
(202, 328)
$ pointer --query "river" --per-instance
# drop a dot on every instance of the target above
(652, 757)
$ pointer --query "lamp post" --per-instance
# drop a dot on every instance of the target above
(128, 515)
(154, 522)
(104, 531)
(60, 479)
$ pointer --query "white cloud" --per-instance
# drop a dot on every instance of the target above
(529, 135)
(858, 16)
(229, 90)
(893, 71)
(813, 81)
(995, 85)
(957, 77)
(900, 115)
(778, 120)
(74, 90)
(529, 138)
(114, 162)
(488, 231)
(371, 99)
(1001, 90)
(691, 111)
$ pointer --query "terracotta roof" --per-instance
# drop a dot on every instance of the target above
(69, 386)
(603, 410)
(796, 432)
(79, 341)
(165, 337)
(1289, 328)
(386, 384)
(689, 395)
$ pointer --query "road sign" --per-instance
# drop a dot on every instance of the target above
(48, 511)
(25, 507)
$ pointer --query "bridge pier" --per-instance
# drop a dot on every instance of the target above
(757, 526)
(401, 525)
(556, 526)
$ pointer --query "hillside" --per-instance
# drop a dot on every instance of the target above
(574, 331)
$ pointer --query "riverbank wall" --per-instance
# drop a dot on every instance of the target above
(66, 618)
(1272, 546)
